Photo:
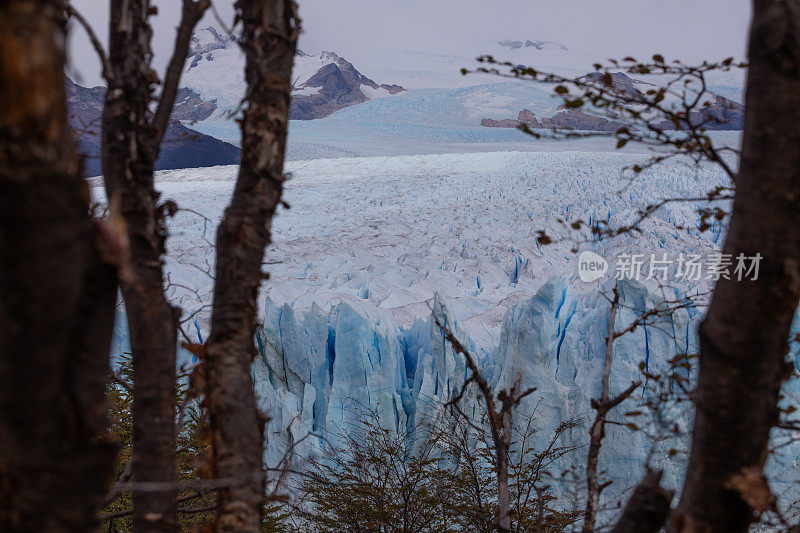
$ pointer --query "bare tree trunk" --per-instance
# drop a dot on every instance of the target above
(597, 431)
(128, 164)
(131, 143)
(57, 296)
(269, 40)
(502, 449)
(744, 337)
(500, 422)
(603, 406)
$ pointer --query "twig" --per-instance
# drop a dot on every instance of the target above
(71, 12)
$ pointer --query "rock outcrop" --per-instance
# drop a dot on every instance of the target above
(716, 115)
(190, 106)
(564, 119)
(503, 123)
(538, 45)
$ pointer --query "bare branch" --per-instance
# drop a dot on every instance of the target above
(192, 13)
(121, 381)
(98, 46)
(603, 406)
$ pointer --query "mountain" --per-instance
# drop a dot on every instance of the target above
(572, 119)
(335, 85)
(538, 45)
(181, 148)
(323, 84)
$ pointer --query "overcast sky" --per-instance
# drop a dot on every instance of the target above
(361, 29)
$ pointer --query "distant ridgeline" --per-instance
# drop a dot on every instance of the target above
(182, 147)
(720, 114)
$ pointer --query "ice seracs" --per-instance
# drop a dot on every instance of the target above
(372, 247)
(318, 372)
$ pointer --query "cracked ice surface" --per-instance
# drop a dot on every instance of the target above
(389, 232)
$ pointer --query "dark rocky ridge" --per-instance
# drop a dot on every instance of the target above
(190, 106)
(572, 119)
(720, 113)
(181, 148)
(620, 82)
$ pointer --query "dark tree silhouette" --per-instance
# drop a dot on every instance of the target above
(269, 40)
(744, 337)
(57, 291)
(131, 141)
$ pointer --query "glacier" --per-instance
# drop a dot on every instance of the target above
(374, 247)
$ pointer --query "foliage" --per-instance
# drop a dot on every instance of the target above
(377, 479)
(433, 479)
(472, 478)
(196, 506)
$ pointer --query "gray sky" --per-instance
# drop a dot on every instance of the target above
(361, 29)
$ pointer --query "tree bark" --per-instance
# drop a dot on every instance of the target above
(744, 337)
(648, 508)
(57, 294)
(269, 41)
(502, 450)
(598, 429)
(128, 162)
(131, 143)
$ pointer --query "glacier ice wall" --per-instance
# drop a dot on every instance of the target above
(319, 371)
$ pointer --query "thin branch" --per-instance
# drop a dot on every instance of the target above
(71, 12)
(605, 404)
(121, 381)
(123, 478)
(192, 13)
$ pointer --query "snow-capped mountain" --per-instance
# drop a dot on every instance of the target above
(207, 40)
(323, 83)
(538, 45)
(326, 83)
